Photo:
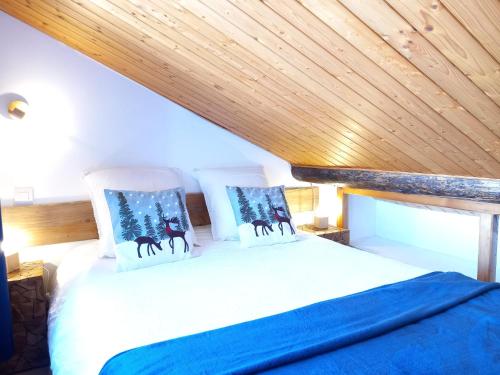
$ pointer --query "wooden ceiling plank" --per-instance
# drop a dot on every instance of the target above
(259, 95)
(92, 55)
(438, 147)
(372, 45)
(296, 142)
(217, 20)
(273, 89)
(203, 72)
(365, 106)
(396, 31)
(323, 151)
(281, 106)
(192, 92)
(264, 140)
(296, 91)
(282, 90)
(439, 27)
(481, 19)
(310, 151)
(358, 163)
(476, 157)
(347, 100)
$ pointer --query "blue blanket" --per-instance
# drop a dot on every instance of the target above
(439, 323)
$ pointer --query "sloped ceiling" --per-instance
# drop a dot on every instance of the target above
(408, 85)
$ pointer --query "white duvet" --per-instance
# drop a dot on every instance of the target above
(98, 313)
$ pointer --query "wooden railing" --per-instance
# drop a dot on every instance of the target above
(488, 220)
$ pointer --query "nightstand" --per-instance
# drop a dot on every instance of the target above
(332, 233)
(29, 317)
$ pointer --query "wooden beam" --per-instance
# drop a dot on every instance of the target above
(343, 215)
(479, 189)
(427, 200)
(488, 237)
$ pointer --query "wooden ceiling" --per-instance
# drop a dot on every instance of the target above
(408, 85)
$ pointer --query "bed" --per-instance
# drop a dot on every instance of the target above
(97, 313)
(308, 306)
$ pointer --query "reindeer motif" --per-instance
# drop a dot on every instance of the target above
(264, 227)
(149, 241)
(282, 219)
(174, 233)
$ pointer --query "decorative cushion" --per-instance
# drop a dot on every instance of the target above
(149, 228)
(213, 183)
(143, 179)
(262, 215)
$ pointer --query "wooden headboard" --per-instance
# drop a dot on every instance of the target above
(74, 221)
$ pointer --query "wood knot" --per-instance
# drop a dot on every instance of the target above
(429, 28)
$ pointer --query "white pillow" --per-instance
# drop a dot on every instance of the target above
(144, 179)
(213, 183)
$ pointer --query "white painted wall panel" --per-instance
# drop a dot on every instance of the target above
(449, 233)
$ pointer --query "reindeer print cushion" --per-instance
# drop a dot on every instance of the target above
(149, 228)
(262, 215)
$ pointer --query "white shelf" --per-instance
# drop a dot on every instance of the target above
(416, 256)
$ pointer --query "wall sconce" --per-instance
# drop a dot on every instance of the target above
(17, 109)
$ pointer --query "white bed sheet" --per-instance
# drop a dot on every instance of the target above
(98, 313)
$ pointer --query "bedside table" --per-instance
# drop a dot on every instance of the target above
(29, 318)
(332, 233)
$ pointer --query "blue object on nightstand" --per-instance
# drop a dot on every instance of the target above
(6, 338)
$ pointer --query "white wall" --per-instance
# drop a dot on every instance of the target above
(362, 217)
(441, 232)
(445, 232)
(84, 116)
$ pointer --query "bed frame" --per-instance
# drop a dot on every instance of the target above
(47, 224)
(488, 220)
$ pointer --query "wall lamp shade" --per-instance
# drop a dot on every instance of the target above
(6, 338)
(17, 109)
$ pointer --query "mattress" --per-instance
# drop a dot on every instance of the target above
(97, 313)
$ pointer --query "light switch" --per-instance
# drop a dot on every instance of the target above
(23, 196)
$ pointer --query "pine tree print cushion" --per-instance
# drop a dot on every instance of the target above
(149, 228)
(262, 215)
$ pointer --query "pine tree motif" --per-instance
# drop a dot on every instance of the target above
(247, 213)
(150, 231)
(270, 211)
(262, 213)
(285, 204)
(130, 226)
(160, 227)
(184, 220)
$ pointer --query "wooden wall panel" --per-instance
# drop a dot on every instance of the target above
(48, 224)
(394, 85)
